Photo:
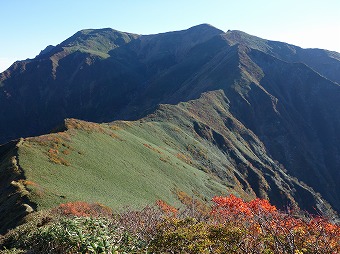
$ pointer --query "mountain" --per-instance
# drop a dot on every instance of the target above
(236, 112)
(196, 149)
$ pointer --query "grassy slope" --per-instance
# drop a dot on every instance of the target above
(197, 147)
(128, 165)
(97, 42)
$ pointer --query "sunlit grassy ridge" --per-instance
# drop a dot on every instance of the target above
(130, 164)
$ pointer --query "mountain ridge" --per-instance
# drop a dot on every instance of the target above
(268, 109)
(229, 158)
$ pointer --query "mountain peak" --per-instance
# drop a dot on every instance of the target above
(175, 43)
(205, 26)
(203, 29)
(97, 41)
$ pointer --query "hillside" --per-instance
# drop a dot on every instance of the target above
(232, 112)
(201, 152)
(104, 75)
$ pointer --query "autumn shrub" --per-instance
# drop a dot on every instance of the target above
(189, 235)
(54, 157)
(167, 209)
(142, 224)
(236, 226)
(83, 209)
(270, 230)
(193, 207)
(180, 236)
(152, 148)
(184, 158)
(230, 226)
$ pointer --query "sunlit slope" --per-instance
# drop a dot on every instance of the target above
(118, 165)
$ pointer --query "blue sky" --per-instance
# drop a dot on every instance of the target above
(28, 26)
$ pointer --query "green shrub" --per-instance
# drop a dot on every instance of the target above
(78, 235)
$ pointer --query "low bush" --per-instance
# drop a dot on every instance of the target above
(79, 235)
(231, 226)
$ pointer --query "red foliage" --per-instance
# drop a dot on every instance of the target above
(230, 205)
(84, 209)
(261, 220)
(166, 208)
(233, 205)
(261, 206)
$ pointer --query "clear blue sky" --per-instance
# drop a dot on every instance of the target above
(28, 26)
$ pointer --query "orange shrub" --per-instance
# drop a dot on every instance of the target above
(264, 225)
(152, 148)
(184, 158)
(84, 209)
(166, 208)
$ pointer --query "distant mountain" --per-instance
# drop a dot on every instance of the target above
(267, 112)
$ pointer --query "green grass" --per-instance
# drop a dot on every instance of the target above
(134, 167)
(97, 42)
